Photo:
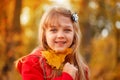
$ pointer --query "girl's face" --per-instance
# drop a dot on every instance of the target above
(60, 36)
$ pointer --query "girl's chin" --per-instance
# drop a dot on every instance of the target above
(60, 50)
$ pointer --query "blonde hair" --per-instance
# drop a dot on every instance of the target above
(47, 20)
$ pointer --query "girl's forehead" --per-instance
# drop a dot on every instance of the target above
(59, 20)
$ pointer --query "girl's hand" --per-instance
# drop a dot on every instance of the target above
(70, 69)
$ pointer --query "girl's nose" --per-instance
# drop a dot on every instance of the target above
(60, 35)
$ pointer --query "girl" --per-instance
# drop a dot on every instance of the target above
(57, 57)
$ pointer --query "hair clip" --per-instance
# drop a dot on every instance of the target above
(75, 17)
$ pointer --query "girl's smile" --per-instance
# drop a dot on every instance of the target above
(60, 43)
(60, 35)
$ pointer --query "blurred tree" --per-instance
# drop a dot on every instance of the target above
(11, 34)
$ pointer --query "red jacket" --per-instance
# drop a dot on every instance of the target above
(34, 67)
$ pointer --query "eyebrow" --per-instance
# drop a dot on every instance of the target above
(68, 26)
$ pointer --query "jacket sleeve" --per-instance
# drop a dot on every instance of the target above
(31, 69)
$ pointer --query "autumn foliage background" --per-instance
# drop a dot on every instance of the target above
(99, 23)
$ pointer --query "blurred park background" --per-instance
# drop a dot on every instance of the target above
(99, 23)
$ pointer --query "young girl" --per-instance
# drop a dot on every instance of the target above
(57, 57)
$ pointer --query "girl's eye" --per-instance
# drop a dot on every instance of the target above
(67, 30)
(53, 30)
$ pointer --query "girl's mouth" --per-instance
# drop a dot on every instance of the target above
(60, 42)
